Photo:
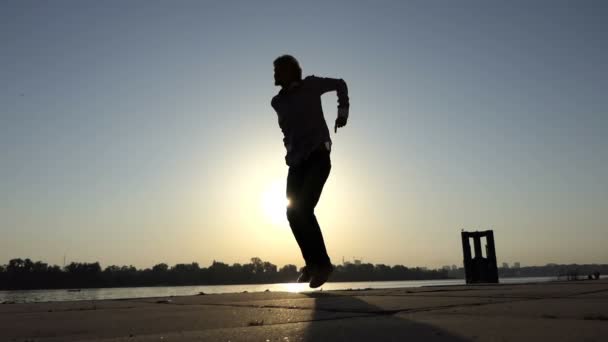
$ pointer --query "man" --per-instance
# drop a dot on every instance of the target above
(306, 139)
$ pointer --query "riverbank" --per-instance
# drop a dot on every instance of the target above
(552, 311)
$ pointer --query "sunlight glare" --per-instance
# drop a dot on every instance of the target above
(274, 203)
(296, 287)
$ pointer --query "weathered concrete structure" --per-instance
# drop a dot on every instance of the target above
(477, 268)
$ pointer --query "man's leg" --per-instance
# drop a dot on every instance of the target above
(318, 169)
(304, 185)
(295, 182)
(319, 252)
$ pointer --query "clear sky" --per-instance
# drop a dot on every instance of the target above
(139, 132)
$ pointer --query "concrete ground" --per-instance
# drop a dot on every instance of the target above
(557, 311)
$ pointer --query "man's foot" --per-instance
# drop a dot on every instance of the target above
(304, 276)
(320, 275)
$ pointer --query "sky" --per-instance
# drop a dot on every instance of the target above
(140, 132)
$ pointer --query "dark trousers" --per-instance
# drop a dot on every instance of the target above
(304, 185)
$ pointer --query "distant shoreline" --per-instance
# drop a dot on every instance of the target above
(25, 274)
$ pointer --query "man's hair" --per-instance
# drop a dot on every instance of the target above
(290, 62)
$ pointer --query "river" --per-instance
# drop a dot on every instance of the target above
(34, 296)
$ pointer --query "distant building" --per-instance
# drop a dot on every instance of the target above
(446, 267)
(516, 265)
(355, 261)
(505, 265)
(454, 267)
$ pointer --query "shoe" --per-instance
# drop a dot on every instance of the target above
(304, 276)
(320, 275)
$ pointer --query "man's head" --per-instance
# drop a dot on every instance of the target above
(286, 70)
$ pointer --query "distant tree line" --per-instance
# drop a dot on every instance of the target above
(553, 270)
(549, 270)
(27, 274)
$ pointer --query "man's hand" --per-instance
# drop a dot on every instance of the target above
(340, 122)
(342, 118)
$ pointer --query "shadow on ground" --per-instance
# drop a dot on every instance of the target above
(375, 325)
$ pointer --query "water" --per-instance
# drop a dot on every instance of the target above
(33, 296)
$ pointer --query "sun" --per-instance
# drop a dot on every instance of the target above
(274, 203)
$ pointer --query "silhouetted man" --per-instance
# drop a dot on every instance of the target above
(306, 139)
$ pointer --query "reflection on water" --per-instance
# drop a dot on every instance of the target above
(31, 296)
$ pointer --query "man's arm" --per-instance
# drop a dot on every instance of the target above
(325, 84)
